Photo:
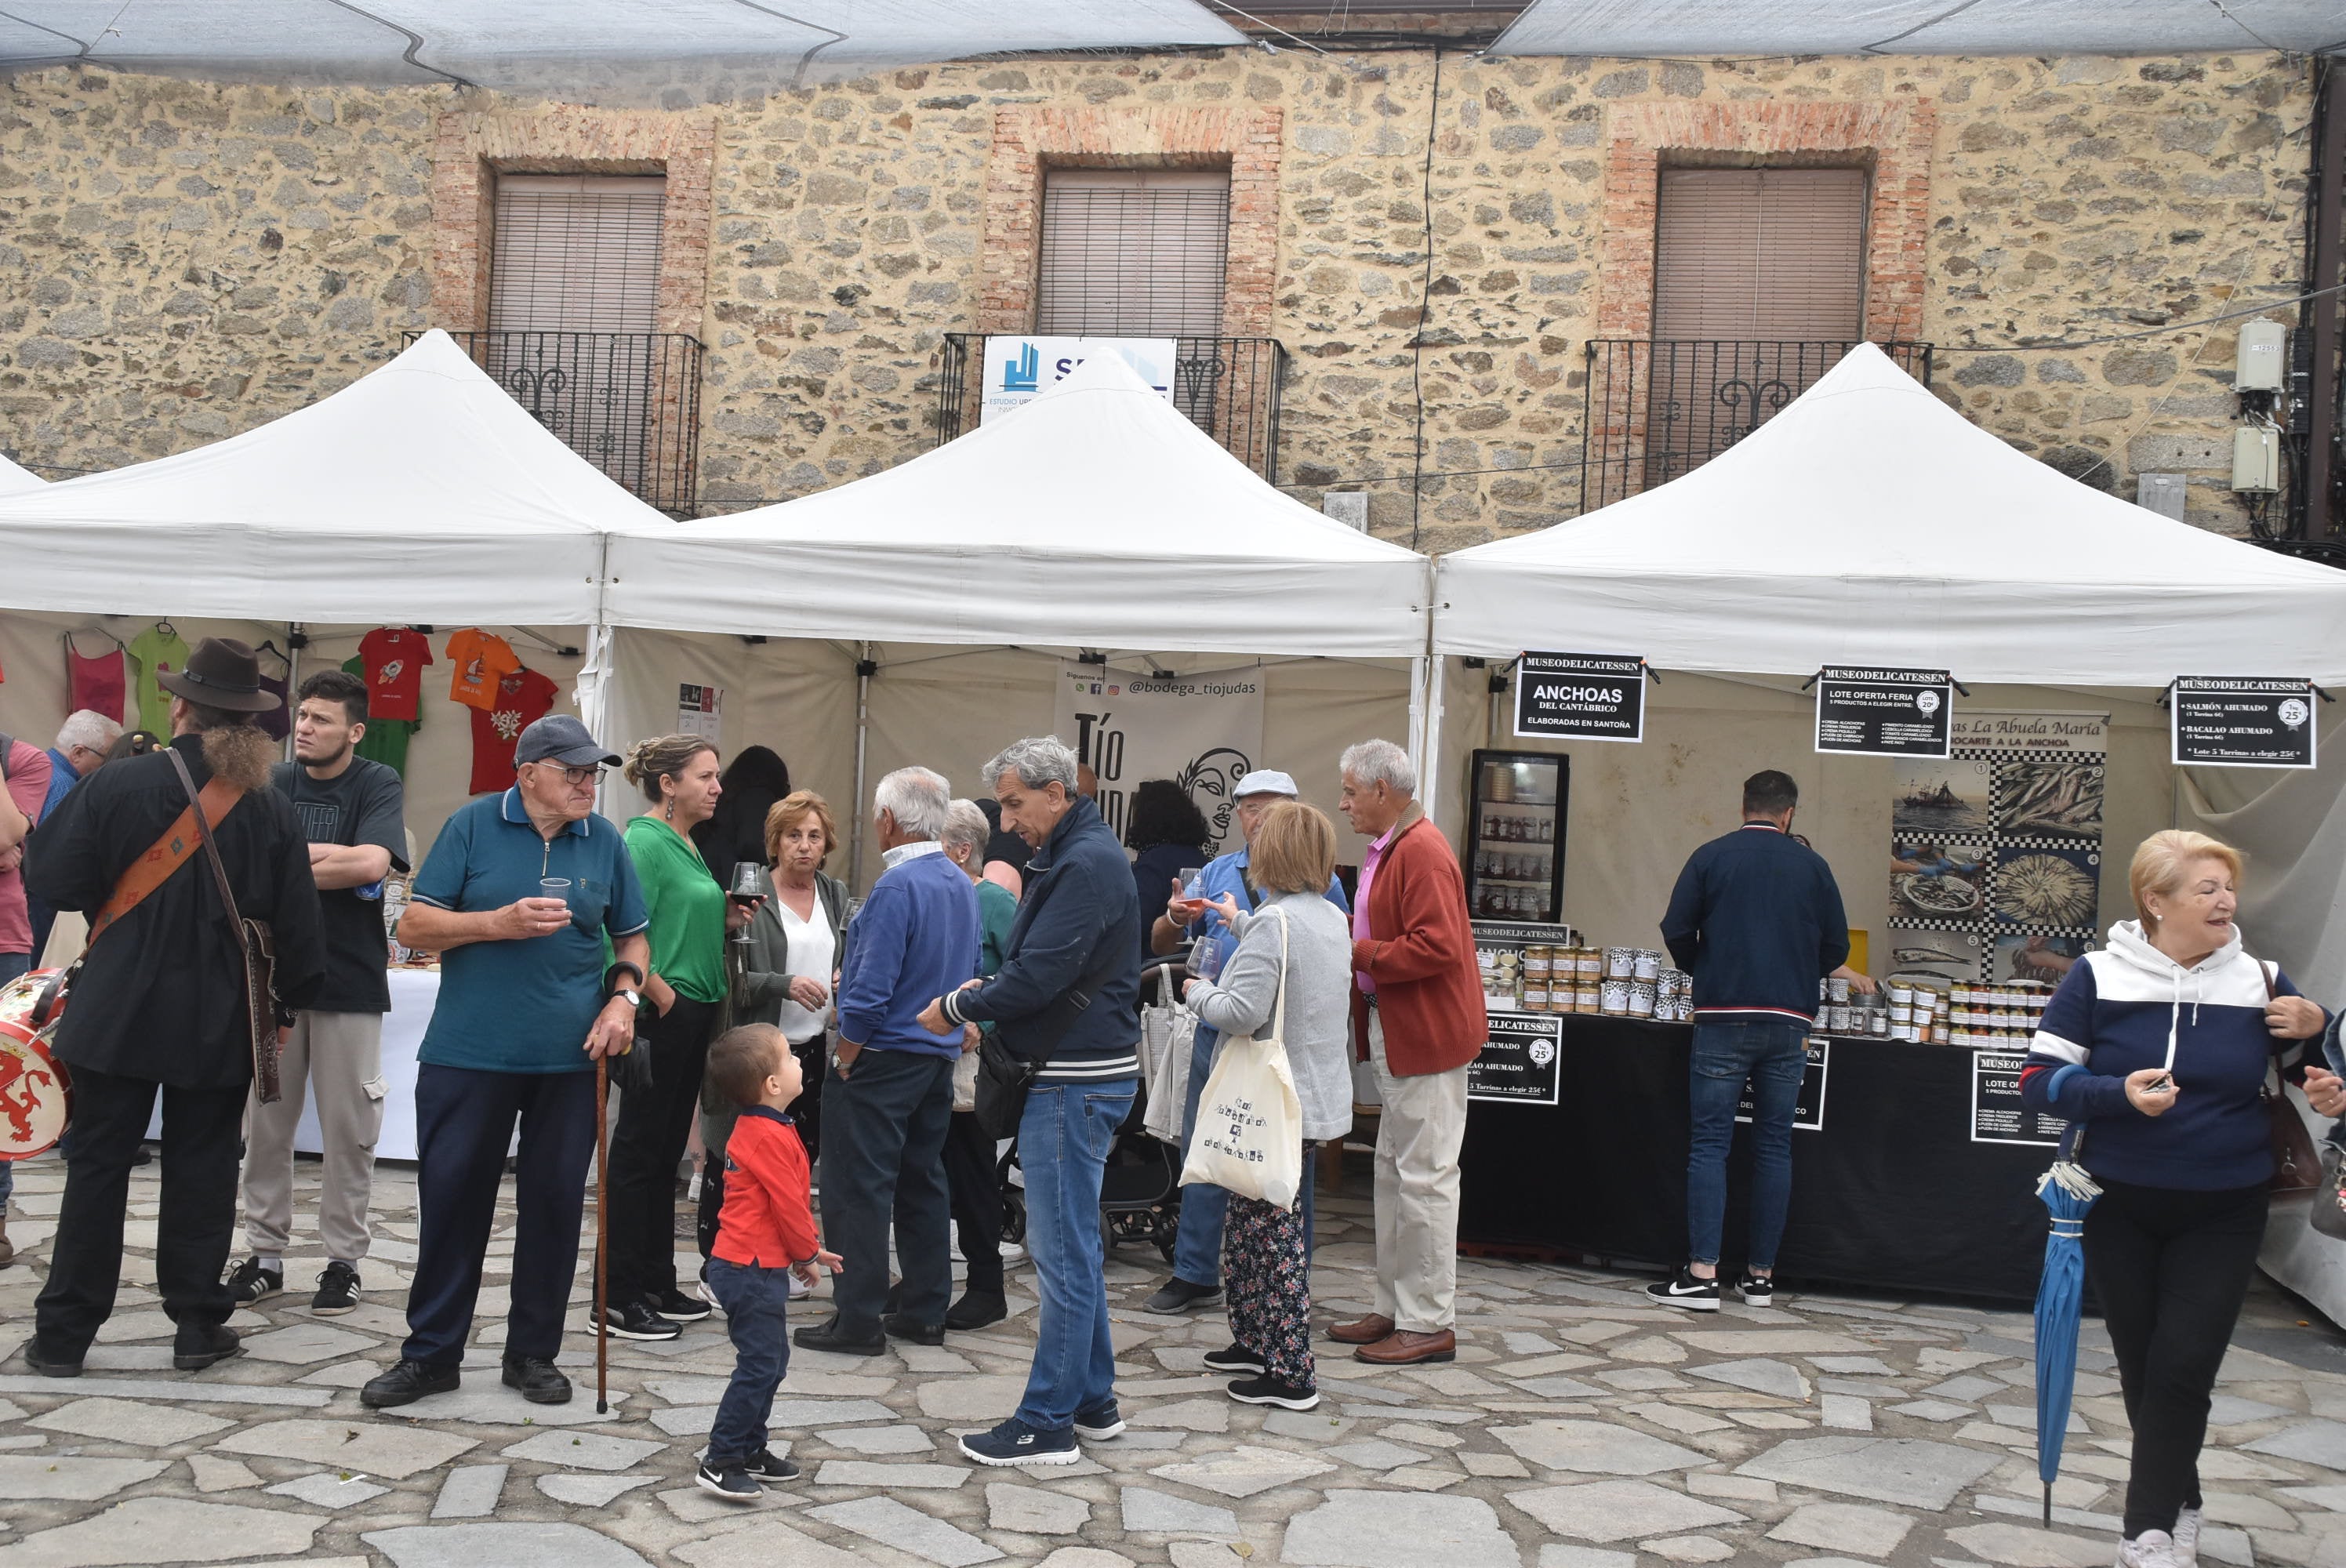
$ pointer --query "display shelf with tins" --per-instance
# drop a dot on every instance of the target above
(1514, 836)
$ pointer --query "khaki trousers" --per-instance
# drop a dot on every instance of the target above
(339, 1056)
(1418, 1137)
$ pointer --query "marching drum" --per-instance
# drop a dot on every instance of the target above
(34, 999)
(35, 1093)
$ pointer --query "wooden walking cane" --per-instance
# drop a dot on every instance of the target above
(602, 1236)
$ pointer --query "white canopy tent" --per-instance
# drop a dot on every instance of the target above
(1699, 29)
(16, 479)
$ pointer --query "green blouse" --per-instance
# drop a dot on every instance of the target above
(687, 906)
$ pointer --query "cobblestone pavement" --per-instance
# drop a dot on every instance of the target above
(1578, 1428)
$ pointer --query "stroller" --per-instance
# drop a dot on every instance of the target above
(1140, 1189)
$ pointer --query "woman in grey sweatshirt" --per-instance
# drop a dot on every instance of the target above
(1265, 1257)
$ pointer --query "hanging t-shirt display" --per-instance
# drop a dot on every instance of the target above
(276, 723)
(395, 657)
(523, 697)
(97, 683)
(385, 741)
(156, 650)
(481, 660)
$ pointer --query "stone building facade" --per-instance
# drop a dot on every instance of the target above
(180, 260)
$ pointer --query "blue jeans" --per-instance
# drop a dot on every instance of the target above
(1198, 1239)
(1772, 1056)
(12, 966)
(1063, 1144)
(757, 1309)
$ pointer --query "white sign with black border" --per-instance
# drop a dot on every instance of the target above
(1521, 1062)
(2241, 721)
(1580, 696)
(1809, 1110)
(1877, 712)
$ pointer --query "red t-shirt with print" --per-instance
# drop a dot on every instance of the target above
(395, 657)
(523, 697)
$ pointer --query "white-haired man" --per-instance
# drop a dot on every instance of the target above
(83, 741)
(888, 1100)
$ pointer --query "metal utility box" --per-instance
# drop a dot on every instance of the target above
(2256, 460)
(2160, 493)
(2260, 362)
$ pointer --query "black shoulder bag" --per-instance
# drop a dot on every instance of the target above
(254, 944)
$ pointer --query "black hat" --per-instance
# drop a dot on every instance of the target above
(222, 673)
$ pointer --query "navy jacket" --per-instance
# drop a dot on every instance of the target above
(1068, 992)
(1756, 921)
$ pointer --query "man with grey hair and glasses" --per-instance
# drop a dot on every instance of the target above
(1067, 1000)
(889, 1099)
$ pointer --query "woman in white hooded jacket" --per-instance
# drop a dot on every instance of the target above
(2156, 1050)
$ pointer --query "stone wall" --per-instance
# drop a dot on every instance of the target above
(182, 261)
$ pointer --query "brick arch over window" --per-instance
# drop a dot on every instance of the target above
(471, 150)
(1894, 137)
(1027, 141)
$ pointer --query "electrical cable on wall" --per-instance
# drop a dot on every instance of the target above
(1425, 310)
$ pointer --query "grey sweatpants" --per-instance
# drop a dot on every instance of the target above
(339, 1056)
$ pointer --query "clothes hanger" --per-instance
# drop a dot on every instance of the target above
(74, 632)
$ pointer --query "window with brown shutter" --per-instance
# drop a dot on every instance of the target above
(1132, 253)
(1759, 284)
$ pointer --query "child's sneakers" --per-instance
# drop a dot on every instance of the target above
(733, 1484)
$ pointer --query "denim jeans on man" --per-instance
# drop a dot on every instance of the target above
(1063, 1144)
(756, 1303)
(1198, 1239)
(1773, 1057)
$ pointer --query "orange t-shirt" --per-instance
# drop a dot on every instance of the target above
(480, 659)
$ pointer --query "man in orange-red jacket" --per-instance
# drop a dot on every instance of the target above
(1417, 1010)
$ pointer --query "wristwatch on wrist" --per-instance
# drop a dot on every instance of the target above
(631, 996)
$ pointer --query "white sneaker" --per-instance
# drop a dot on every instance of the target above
(800, 1288)
(2187, 1536)
(2151, 1549)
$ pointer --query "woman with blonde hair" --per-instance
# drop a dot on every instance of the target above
(2156, 1050)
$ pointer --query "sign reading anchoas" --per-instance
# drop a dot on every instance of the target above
(1581, 697)
(1885, 712)
(2242, 721)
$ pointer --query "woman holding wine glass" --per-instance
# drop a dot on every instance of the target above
(689, 916)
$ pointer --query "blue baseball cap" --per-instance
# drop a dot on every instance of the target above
(560, 738)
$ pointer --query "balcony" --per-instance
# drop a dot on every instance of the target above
(1657, 411)
(627, 402)
(1226, 387)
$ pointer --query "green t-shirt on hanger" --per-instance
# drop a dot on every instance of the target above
(155, 649)
(385, 741)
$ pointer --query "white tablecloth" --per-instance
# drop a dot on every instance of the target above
(413, 993)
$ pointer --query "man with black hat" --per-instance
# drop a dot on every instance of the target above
(517, 896)
(160, 1003)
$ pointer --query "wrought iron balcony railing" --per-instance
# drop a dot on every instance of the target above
(1227, 387)
(1657, 409)
(627, 402)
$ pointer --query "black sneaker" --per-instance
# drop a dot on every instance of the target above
(1237, 1358)
(337, 1291)
(1756, 1289)
(1178, 1296)
(1014, 1442)
(733, 1484)
(537, 1379)
(1099, 1423)
(407, 1382)
(201, 1345)
(899, 1326)
(678, 1308)
(827, 1336)
(1270, 1390)
(48, 1363)
(768, 1465)
(975, 1312)
(1683, 1289)
(252, 1281)
(636, 1321)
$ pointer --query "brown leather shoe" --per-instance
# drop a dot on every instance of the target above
(7, 1253)
(1403, 1348)
(1365, 1331)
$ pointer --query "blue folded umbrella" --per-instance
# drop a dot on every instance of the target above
(2068, 1192)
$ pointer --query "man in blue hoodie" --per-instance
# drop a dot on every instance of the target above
(888, 1100)
(1756, 920)
(1066, 999)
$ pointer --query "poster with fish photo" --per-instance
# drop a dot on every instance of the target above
(2000, 843)
(1942, 955)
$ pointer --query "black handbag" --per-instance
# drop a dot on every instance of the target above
(1003, 1081)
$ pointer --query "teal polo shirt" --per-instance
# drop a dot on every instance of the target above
(525, 1005)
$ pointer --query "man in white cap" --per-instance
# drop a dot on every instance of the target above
(1189, 916)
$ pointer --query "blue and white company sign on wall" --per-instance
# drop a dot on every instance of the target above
(1018, 369)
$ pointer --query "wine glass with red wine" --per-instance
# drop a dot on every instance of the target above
(745, 893)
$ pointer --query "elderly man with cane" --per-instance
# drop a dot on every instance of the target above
(518, 895)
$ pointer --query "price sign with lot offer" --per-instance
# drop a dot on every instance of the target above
(1581, 697)
(1809, 1110)
(1520, 1060)
(2242, 721)
(1885, 712)
(1997, 1114)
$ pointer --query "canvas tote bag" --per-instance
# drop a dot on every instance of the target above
(1248, 1139)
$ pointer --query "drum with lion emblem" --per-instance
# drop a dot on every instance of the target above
(35, 1092)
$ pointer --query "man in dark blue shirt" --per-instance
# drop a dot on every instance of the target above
(1756, 920)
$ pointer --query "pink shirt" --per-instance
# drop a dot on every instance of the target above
(1370, 862)
(28, 770)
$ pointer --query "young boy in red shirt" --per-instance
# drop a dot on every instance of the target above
(765, 1234)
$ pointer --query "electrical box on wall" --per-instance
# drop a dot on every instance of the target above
(2160, 493)
(2259, 362)
(1348, 506)
(2256, 460)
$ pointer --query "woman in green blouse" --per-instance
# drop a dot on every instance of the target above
(690, 917)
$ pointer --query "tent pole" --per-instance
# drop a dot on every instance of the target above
(1429, 772)
(292, 680)
(864, 667)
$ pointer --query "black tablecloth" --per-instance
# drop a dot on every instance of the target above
(1892, 1194)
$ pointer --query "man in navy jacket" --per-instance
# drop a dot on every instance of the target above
(1066, 998)
(1756, 920)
